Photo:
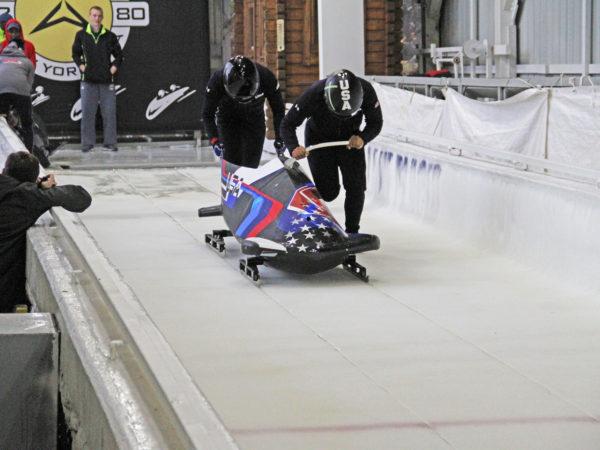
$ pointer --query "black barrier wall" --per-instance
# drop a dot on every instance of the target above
(161, 82)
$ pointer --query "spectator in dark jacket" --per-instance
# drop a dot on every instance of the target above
(23, 199)
(16, 80)
(92, 51)
(335, 108)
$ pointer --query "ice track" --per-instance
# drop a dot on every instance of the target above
(448, 346)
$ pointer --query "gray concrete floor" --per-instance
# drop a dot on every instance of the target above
(134, 155)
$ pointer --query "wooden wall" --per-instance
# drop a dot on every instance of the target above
(383, 37)
(297, 67)
(237, 44)
(302, 64)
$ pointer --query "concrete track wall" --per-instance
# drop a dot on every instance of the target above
(547, 222)
(121, 385)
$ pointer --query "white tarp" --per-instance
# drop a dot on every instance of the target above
(517, 124)
(407, 110)
(560, 124)
(574, 127)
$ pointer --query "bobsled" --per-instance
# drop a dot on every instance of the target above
(281, 221)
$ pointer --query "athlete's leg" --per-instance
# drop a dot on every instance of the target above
(324, 170)
(232, 140)
(353, 167)
(253, 143)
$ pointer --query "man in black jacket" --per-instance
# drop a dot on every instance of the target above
(235, 97)
(92, 50)
(22, 202)
(335, 108)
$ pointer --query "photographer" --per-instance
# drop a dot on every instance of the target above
(23, 199)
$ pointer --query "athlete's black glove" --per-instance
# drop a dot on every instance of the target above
(217, 147)
(279, 147)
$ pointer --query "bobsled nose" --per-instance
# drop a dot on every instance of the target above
(210, 211)
(262, 247)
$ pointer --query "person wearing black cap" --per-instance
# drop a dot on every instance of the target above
(335, 108)
(233, 111)
(14, 30)
(3, 19)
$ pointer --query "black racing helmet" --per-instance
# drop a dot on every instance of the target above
(240, 78)
(343, 93)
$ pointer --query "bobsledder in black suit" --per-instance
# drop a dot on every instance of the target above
(335, 108)
(233, 111)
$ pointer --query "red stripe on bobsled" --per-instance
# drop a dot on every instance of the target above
(273, 211)
(271, 216)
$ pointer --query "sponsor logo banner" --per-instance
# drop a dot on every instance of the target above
(163, 74)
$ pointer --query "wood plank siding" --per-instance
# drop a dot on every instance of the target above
(297, 66)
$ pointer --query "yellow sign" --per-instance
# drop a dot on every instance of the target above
(51, 26)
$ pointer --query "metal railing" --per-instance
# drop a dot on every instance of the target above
(499, 88)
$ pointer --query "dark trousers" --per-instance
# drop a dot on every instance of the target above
(243, 142)
(12, 277)
(22, 104)
(92, 96)
(324, 164)
(14, 294)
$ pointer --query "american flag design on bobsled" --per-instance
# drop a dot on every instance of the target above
(277, 214)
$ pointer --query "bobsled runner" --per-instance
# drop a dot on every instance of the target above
(281, 221)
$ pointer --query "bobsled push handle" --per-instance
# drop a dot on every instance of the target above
(310, 148)
(291, 163)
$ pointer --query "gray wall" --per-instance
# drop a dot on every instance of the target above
(221, 24)
(28, 381)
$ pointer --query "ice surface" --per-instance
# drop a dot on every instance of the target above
(448, 346)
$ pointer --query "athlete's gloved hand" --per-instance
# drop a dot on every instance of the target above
(279, 148)
(299, 152)
(217, 147)
(355, 142)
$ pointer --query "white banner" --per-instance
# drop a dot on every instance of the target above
(407, 110)
(517, 124)
(574, 127)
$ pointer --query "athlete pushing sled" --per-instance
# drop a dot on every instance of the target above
(277, 214)
(281, 221)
